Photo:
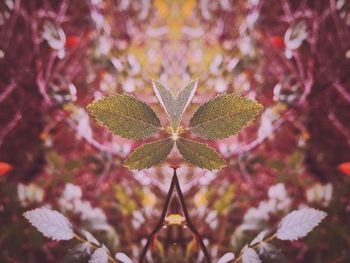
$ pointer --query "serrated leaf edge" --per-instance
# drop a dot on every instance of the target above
(208, 147)
(191, 127)
(90, 110)
(142, 146)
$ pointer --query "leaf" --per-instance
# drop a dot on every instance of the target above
(200, 154)
(227, 257)
(89, 237)
(259, 238)
(250, 256)
(79, 252)
(223, 116)
(184, 97)
(99, 256)
(299, 223)
(123, 257)
(174, 105)
(54, 35)
(50, 223)
(165, 97)
(149, 154)
(126, 116)
(295, 35)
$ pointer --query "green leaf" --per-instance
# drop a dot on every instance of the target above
(223, 116)
(149, 154)
(200, 154)
(174, 105)
(126, 116)
(184, 97)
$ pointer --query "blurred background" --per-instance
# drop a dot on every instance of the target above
(293, 56)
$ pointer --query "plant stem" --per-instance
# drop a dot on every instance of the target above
(160, 223)
(188, 220)
(255, 246)
(82, 240)
(174, 184)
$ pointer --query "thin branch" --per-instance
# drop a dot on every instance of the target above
(10, 126)
(7, 91)
(160, 222)
(174, 184)
(340, 88)
(82, 240)
(341, 128)
(255, 246)
(188, 220)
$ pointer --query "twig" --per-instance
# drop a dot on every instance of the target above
(188, 220)
(10, 126)
(80, 239)
(255, 246)
(340, 88)
(341, 128)
(160, 222)
(7, 91)
(174, 184)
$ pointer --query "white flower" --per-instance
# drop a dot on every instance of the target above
(319, 193)
(72, 192)
(28, 194)
(278, 192)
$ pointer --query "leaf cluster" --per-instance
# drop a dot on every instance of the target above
(218, 118)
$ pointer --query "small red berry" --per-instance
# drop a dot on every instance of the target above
(5, 168)
(72, 41)
(277, 41)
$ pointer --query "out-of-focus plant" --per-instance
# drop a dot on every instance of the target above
(293, 226)
(290, 55)
(220, 117)
(56, 226)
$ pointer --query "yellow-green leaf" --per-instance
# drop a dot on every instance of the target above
(200, 154)
(149, 154)
(223, 116)
(126, 116)
(174, 105)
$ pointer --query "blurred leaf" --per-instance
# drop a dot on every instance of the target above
(50, 223)
(126, 116)
(174, 105)
(127, 204)
(200, 154)
(223, 204)
(223, 116)
(299, 223)
(259, 238)
(99, 256)
(54, 35)
(250, 256)
(227, 257)
(89, 237)
(295, 35)
(122, 257)
(79, 253)
(149, 154)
